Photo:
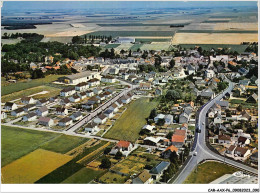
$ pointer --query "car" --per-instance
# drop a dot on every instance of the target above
(195, 153)
(203, 123)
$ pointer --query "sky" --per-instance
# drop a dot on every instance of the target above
(58, 5)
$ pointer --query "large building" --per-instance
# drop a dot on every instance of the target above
(79, 77)
(121, 40)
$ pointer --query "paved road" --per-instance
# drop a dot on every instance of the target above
(98, 110)
(203, 152)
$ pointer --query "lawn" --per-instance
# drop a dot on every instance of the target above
(52, 91)
(233, 47)
(17, 142)
(209, 171)
(157, 46)
(64, 143)
(113, 178)
(128, 126)
(33, 166)
(111, 46)
(83, 176)
(22, 85)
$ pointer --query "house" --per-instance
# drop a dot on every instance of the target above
(100, 119)
(109, 113)
(254, 157)
(158, 91)
(166, 154)
(3, 115)
(61, 111)
(97, 90)
(168, 119)
(178, 140)
(231, 149)
(125, 76)
(81, 86)
(145, 86)
(124, 146)
(159, 116)
(10, 106)
(108, 79)
(65, 102)
(75, 98)
(243, 140)
(114, 71)
(242, 152)
(223, 104)
(252, 99)
(82, 95)
(79, 77)
(113, 107)
(119, 103)
(88, 105)
(184, 118)
(152, 141)
(131, 78)
(209, 73)
(46, 121)
(42, 111)
(18, 112)
(94, 82)
(224, 139)
(67, 91)
(30, 117)
(91, 127)
(65, 122)
(125, 99)
(27, 100)
(148, 127)
(211, 113)
(110, 89)
(246, 115)
(158, 170)
(42, 102)
(29, 107)
(101, 97)
(190, 69)
(76, 116)
(218, 118)
(89, 93)
(143, 178)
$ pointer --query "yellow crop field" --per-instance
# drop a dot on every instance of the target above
(32, 167)
(214, 38)
(236, 26)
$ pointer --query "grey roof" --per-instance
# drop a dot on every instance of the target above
(30, 115)
(65, 119)
(160, 167)
(223, 103)
(19, 110)
(67, 89)
(76, 114)
(91, 125)
(80, 75)
(102, 116)
(108, 111)
(43, 109)
(44, 119)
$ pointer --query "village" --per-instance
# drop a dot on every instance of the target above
(93, 100)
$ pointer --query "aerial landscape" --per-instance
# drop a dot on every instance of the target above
(129, 92)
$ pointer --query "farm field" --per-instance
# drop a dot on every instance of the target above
(15, 87)
(33, 166)
(58, 39)
(17, 142)
(64, 143)
(216, 38)
(133, 33)
(209, 171)
(233, 47)
(26, 92)
(128, 126)
(83, 176)
(236, 26)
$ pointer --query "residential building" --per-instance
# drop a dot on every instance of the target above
(30, 117)
(143, 178)
(45, 121)
(42, 111)
(158, 170)
(66, 121)
(10, 106)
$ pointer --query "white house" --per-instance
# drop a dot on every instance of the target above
(46, 121)
(158, 170)
(159, 116)
(27, 100)
(224, 139)
(109, 113)
(61, 111)
(168, 119)
(218, 119)
(209, 73)
(79, 77)
(42, 102)
(145, 86)
(42, 111)
(76, 116)
(97, 90)
(94, 82)
(91, 127)
(30, 117)
(10, 106)
(81, 86)
(148, 127)
(108, 79)
(89, 93)
(113, 107)
(75, 98)
(143, 178)
(65, 122)
(18, 112)
(67, 92)
(125, 99)
(100, 119)
(3, 115)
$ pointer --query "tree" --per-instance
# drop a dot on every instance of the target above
(118, 155)
(240, 108)
(169, 135)
(172, 63)
(77, 40)
(161, 122)
(172, 95)
(105, 163)
(153, 114)
(107, 150)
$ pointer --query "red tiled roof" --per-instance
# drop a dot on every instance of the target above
(178, 138)
(123, 144)
(172, 148)
(180, 132)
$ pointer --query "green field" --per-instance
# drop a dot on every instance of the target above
(52, 91)
(64, 143)
(135, 47)
(18, 142)
(128, 126)
(132, 33)
(14, 87)
(159, 46)
(83, 176)
(108, 46)
(208, 172)
(233, 47)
